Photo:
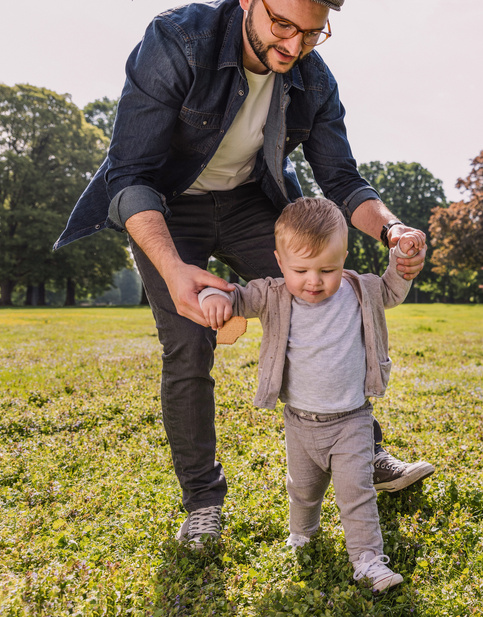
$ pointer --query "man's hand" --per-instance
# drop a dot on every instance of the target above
(150, 232)
(184, 282)
(416, 245)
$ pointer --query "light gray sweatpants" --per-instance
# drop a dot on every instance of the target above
(340, 446)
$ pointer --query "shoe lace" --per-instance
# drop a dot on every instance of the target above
(372, 568)
(386, 461)
(205, 520)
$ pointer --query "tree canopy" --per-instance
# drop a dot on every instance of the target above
(102, 113)
(48, 152)
(457, 231)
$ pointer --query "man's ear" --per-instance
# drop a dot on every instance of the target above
(245, 4)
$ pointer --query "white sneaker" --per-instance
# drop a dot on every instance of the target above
(295, 540)
(201, 525)
(374, 568)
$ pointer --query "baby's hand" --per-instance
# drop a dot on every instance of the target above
(216, 310)
(414, 239)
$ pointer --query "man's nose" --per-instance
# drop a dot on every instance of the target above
(294, 45)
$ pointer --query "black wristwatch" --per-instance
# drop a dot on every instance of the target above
(386, 228)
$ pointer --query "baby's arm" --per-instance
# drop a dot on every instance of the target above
(216, 309)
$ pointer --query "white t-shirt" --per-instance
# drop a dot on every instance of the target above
(234, 160)
(325, 362)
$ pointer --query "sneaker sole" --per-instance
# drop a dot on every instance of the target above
(419, 473)
(194, 544)
(395, 580)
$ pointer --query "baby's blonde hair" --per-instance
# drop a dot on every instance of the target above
(307, 224)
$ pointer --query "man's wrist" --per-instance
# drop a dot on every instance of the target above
(385, 229)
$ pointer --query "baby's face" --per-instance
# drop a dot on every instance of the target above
(314, 278)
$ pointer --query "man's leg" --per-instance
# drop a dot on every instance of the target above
(391, 474)
(197, 227)
(188, 350)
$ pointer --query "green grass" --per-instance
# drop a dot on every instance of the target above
(89, 504)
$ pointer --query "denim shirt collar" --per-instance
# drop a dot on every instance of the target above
(231, 53)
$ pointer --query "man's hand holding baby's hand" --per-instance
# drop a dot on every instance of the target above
(411, 242)
(216, 310)
(413, 245)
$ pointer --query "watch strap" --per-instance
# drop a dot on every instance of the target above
(386, 228)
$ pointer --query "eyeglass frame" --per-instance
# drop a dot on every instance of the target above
(286, 22)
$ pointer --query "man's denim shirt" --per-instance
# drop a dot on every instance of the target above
(184, 86)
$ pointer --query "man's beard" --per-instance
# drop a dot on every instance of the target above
(261, 50)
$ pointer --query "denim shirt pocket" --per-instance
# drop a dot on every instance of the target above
(294, 138)
(197, 130)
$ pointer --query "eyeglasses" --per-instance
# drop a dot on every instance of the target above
(284, 29)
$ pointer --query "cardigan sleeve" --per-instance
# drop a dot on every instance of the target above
(248, 301)
(394, 286)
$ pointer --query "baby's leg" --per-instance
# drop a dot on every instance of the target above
(352, 471)
(306, 481)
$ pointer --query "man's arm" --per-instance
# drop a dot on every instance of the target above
(149, 231)
(370, 216)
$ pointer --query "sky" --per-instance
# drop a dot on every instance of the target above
(409, 73)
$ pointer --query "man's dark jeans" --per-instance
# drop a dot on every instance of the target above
(236, 227)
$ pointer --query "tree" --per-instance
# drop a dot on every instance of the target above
(410, 191)
(102, 113)
(457, 231)
(309, 186)
(47, 154)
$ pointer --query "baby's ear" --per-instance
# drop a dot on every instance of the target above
(277, 257)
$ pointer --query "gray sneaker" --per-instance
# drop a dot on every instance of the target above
(200, 526)
(391, 474)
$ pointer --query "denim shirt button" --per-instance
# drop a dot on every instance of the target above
(98, 226)
(240, 92)
(205, 122)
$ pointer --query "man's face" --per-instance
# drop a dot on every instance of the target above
(265, 52)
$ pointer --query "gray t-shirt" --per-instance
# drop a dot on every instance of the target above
(325, 363)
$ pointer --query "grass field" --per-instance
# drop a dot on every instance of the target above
(89, 504)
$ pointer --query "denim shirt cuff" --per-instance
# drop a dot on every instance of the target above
(356, 198)
(134, 199)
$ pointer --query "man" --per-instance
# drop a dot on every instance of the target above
(216, 96)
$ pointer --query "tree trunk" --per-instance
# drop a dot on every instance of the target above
(41, 294)
(6, 289)
(29, 296)
(70, 293)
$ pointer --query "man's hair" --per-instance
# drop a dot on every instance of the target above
(307, 224)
